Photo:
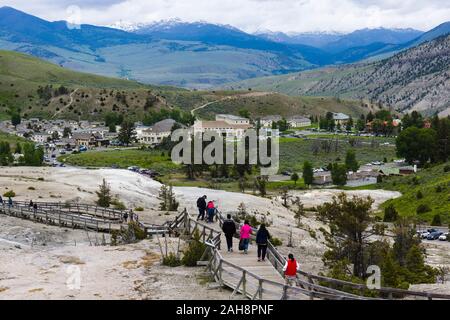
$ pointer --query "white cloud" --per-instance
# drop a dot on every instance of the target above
(252, 15)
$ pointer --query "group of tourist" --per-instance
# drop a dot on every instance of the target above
(208, 208)
(132, 216)
(262, 237)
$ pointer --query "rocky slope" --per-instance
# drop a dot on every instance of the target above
(416, 79)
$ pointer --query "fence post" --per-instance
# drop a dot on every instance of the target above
(284, 296)
(220, 275)
(260, 289)
(244, 283)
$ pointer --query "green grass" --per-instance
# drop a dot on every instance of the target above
(13, 140)
(428, 181)
(123, 159)
(293, 152)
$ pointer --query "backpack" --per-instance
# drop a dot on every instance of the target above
(199, 200)
(241, 245)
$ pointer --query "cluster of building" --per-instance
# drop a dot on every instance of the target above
(71, 133)
(293, 122)
(367, 174)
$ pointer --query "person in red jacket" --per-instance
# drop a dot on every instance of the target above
(290, 270)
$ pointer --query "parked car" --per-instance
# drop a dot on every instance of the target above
(434, 235)
(426, 233)
(62, 151)
(82, 148)
(443, 237)
(133, 168)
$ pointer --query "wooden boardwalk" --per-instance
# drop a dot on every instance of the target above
(64, 215)
(240, 272)
(249, 262)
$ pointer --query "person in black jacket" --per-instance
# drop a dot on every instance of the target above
(262, 239)
(201, 205)
(229, 229)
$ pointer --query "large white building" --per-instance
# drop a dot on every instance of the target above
(228, 125)
(340, 118)
(232, 119)
(155, 134)
(268, 121)
(298, 122)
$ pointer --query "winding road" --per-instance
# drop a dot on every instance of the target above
(250, 94)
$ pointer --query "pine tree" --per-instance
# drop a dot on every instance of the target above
(295, 178)
(104, 195)
(127, 133)
(299, 210)
(339, 174)
(350, 161)
(285, 196)
(308, 173)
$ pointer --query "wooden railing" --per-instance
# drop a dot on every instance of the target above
(79, 208)
(332, 286)
(55, 216)
(246, 282)
(387, 292)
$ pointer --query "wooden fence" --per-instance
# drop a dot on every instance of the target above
(251, 285)
(58, 217)
(334, 287)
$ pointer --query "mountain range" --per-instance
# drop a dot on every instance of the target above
(37, 88)
(414, 79)
(194, 55)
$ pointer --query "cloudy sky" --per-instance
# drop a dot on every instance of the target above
(252, 15)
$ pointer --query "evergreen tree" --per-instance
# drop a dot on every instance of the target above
(295, 178)
(15, 119)
(390, 214)
(308, 173)
(127, 133)
(104, 195)
(339, 174)
(299, 210)
(350, 161)
(348, 220)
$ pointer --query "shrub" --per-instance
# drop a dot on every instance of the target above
(118, 204)
(390, 214)
(439, 189)
(419, 195)
(133, 233)
(171, 260)
(447, 168)
(276, 241)
(415, 181)
(436, 220)
(194, 251)
(31, 188)
(139, 209)
(41, 179)
(422, 208)
(10, 193)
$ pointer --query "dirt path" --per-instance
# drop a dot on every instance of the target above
(250, 94)
(67, 105)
